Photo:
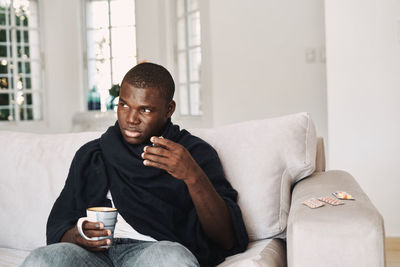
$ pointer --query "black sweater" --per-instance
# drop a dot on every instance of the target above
(149, 199)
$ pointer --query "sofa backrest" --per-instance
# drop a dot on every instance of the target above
(262, 159)
(33, 169)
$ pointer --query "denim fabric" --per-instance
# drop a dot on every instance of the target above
(124, 252)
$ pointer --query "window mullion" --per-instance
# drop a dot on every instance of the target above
(110, 43)
(23, 74)
(187, 57)
(14, 61)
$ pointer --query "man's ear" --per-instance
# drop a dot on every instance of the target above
(171, 108)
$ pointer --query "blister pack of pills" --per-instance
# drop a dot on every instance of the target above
(313, 203)
(331, 201)
(343, 195)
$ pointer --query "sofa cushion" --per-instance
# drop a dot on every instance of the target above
(12, 257)
(266, 253)
(34, 168)
(262, 159)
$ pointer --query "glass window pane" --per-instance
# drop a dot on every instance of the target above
(183, 100)
(181, 34)
(102, 77)
(97, 14)
(4, 83)
(20, 86)
(182, 74)
(180, 7)
(5, 115)
(22, 11)
(28, 99)
(26, 36)
(29, 112)
(3, 18)
(194, 29)
(120, 51)
(192, 5)
(26, 52)
(20, 98)
(195, 64)
(123, 42)
(122, 13)
(32, 16)
(27, 67)
(195, 104)
(23, 51)
(18, 36)
(22, 115)
(3, 36)
(28, 83)
(120, 67)
(98, 44)
(3, 51)
(91, 73)
(3, 66)
(5, 99)
(5, 5)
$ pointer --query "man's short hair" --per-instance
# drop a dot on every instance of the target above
(150, 75)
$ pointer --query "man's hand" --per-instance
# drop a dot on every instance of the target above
(210, 207)
(91, 229)
(171, 157)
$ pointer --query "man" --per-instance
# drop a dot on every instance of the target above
(175, 206)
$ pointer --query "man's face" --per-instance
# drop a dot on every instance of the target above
(142, 113)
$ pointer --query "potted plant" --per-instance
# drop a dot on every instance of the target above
(113, 97)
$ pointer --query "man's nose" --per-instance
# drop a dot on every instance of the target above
(133, 117)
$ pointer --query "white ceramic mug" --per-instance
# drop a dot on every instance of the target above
(106, 215)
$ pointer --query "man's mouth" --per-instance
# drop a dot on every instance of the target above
(133, 134)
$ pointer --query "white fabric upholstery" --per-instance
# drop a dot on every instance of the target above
(266, 253)
(12, 257)
(262, 159)
(34, 168)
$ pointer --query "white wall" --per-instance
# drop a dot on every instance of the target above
(363, 73)
(259, 66)
(253, 60)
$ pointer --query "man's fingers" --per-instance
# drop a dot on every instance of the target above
(92, 225)
(162, 142)
(149, 163)
(93, 245)
(100, 245)
(97, 233)
(155, 158)
(97, 243)
(160, 151)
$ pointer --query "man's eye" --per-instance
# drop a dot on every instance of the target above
(123, 105)
(146, 110)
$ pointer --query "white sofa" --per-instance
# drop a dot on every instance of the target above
(275, 164)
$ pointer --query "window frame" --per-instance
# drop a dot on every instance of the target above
(85, 58)
(12, 29)
(187, 49)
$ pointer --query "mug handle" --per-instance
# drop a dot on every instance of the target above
(79, 226)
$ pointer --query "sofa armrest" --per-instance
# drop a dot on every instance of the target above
(347, 235)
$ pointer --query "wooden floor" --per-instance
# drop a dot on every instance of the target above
(393, 252)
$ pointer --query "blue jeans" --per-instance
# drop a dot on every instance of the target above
(124, 252)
